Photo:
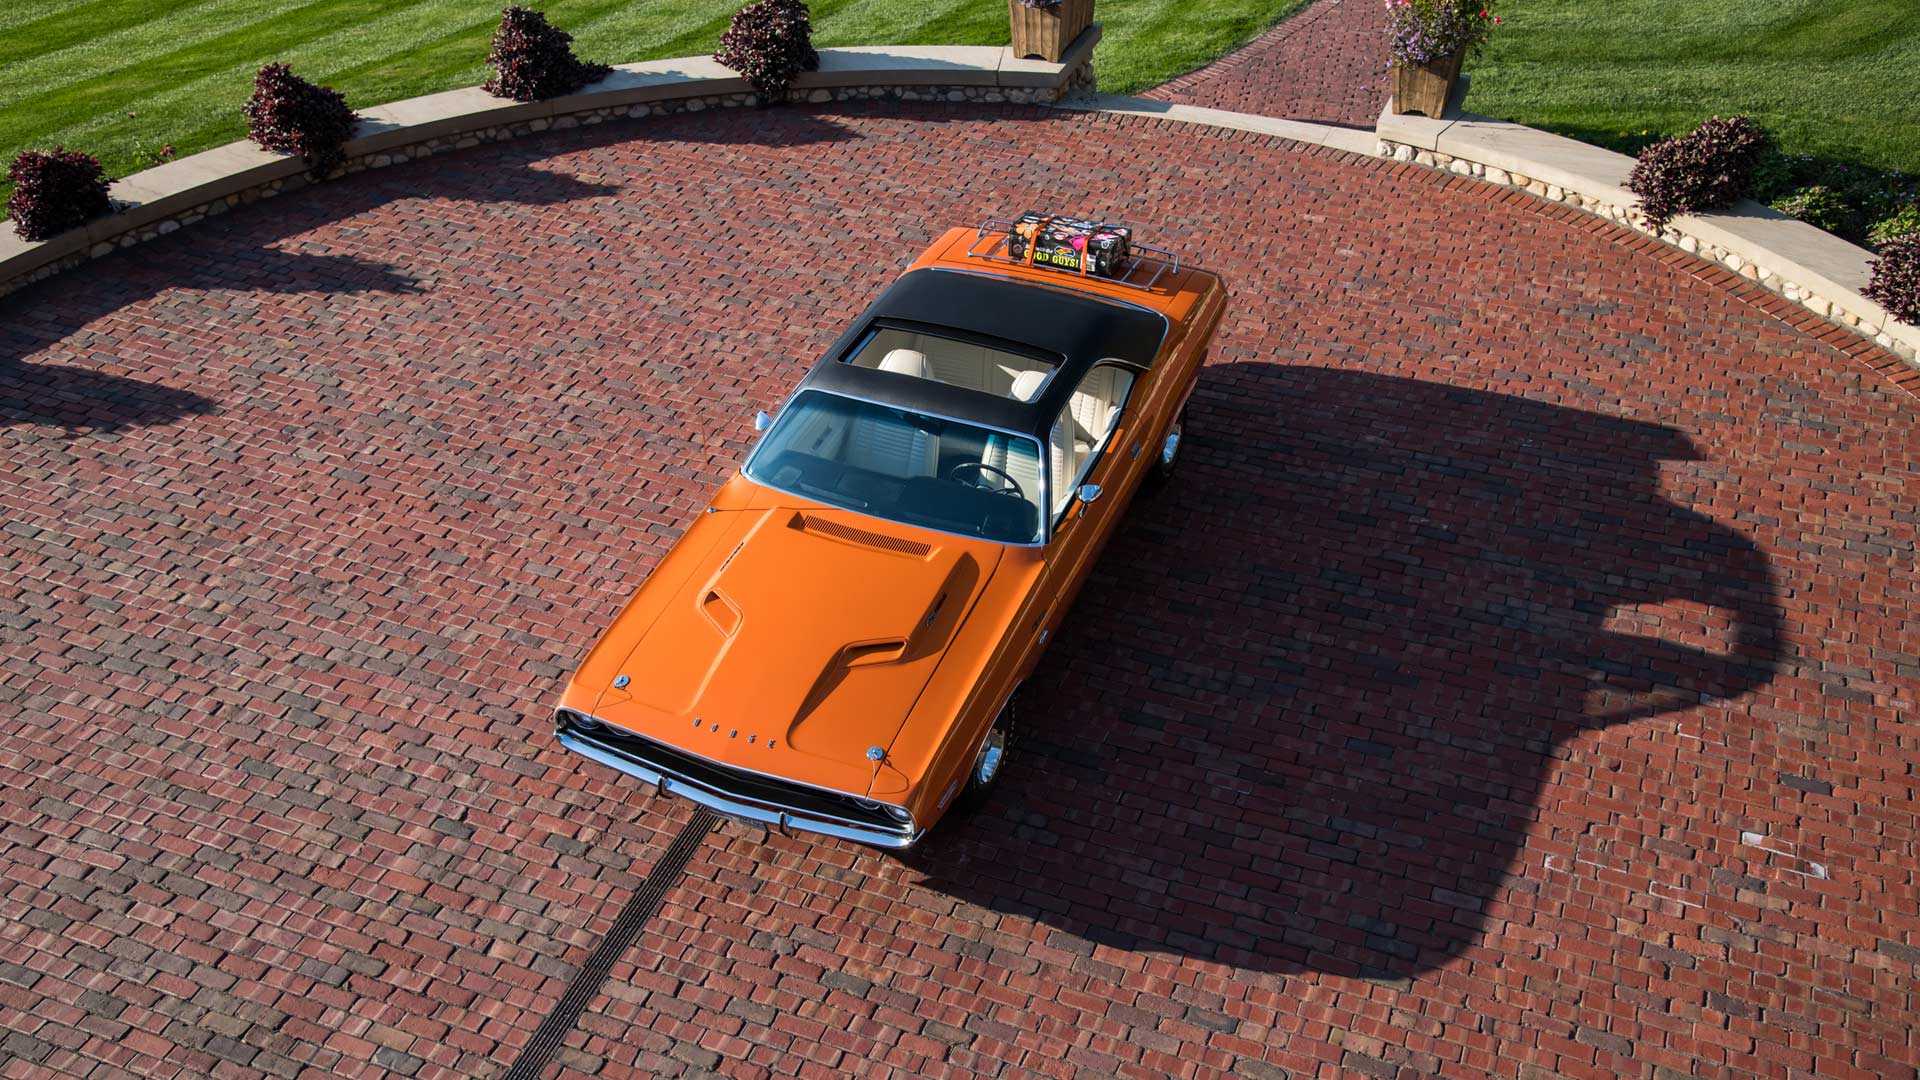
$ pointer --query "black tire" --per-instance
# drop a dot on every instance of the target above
(1167, 452)
(989, 762)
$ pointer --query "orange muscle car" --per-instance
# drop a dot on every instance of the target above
(833, 646)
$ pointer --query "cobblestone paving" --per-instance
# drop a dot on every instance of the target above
(1516, 681)
(1325, 64)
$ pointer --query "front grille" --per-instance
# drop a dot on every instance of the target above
(736, 784)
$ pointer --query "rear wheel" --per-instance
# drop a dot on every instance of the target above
(1167, 454)
(989, 761)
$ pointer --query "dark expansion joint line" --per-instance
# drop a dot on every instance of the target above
(547, 1039)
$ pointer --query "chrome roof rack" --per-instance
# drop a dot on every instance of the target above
(1143, 260)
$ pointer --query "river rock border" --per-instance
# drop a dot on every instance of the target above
(165, 199)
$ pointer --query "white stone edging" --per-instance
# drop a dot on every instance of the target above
(161, 200)
(1809, 266)
(1352, 140)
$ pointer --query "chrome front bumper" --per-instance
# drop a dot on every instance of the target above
(630, 754)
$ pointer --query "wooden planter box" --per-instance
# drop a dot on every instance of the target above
(1045, 33)
(1424, 88)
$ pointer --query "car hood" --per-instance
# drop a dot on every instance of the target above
(799, 640)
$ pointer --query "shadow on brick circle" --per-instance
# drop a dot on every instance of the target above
(1301, 715)
(239, 252)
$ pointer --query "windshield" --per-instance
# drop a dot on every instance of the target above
(903, 466)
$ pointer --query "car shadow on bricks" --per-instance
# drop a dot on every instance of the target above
(1302, 713)
(68, 358)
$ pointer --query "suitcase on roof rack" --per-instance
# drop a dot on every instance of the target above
(1086, 247)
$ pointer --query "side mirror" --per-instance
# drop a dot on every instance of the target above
(1088, 493)
(761, 421)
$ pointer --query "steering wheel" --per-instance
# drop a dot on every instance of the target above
(980, 468)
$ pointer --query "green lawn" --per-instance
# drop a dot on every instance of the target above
(121, 78)
(1838, 79)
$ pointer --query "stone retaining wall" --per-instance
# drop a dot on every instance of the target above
(1812, 268)
(164, 199)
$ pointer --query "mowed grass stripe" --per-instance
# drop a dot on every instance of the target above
(1826, 79)
(43, 11)
(454, 57)
(88, 20)
(181, 78)
(55, 108)
(191, 32)
(644, 31)
(205, 111)
(881, 22)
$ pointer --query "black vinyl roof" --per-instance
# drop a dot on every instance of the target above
(1072, 329)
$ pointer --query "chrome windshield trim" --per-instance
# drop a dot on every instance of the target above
(1046, 530)
(770, 815)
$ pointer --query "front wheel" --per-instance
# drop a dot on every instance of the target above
(1167, 454)
(989, 762)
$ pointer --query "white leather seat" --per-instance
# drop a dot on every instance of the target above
(1083, 427)
(1024, 468)
(1096, 402)
(892, 447)
(907, 362)
(1027, 384)
(1063, 464)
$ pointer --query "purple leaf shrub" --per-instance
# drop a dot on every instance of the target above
(293, 116)
(770, 42)
(54, 192)
(533, 60)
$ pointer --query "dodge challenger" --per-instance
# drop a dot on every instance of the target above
(834, 644)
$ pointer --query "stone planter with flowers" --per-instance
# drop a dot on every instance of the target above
(1429, 40)
(1044, 29)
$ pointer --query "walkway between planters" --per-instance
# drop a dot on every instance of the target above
(1325, 64)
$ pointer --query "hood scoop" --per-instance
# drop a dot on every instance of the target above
(807, 631)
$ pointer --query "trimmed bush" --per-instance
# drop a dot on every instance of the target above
(1706, 169)
(1821, 207)
(1903, 222)
(293, 116)
(770, 42)
(1894, 283)
(533, 60)
(54, 192)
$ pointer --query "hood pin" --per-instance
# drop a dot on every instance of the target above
(620, 682)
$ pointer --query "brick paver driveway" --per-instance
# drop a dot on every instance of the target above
(1327, 63)
(1517, 679)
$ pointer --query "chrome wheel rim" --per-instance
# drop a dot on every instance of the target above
(1170, 449)
(992, 752)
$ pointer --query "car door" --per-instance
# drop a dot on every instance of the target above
(1092, 441)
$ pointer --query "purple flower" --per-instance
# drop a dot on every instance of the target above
(1422, 31)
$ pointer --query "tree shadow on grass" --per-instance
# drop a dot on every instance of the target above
(1302, 713)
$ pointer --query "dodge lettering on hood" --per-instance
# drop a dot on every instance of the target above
(833, 646)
